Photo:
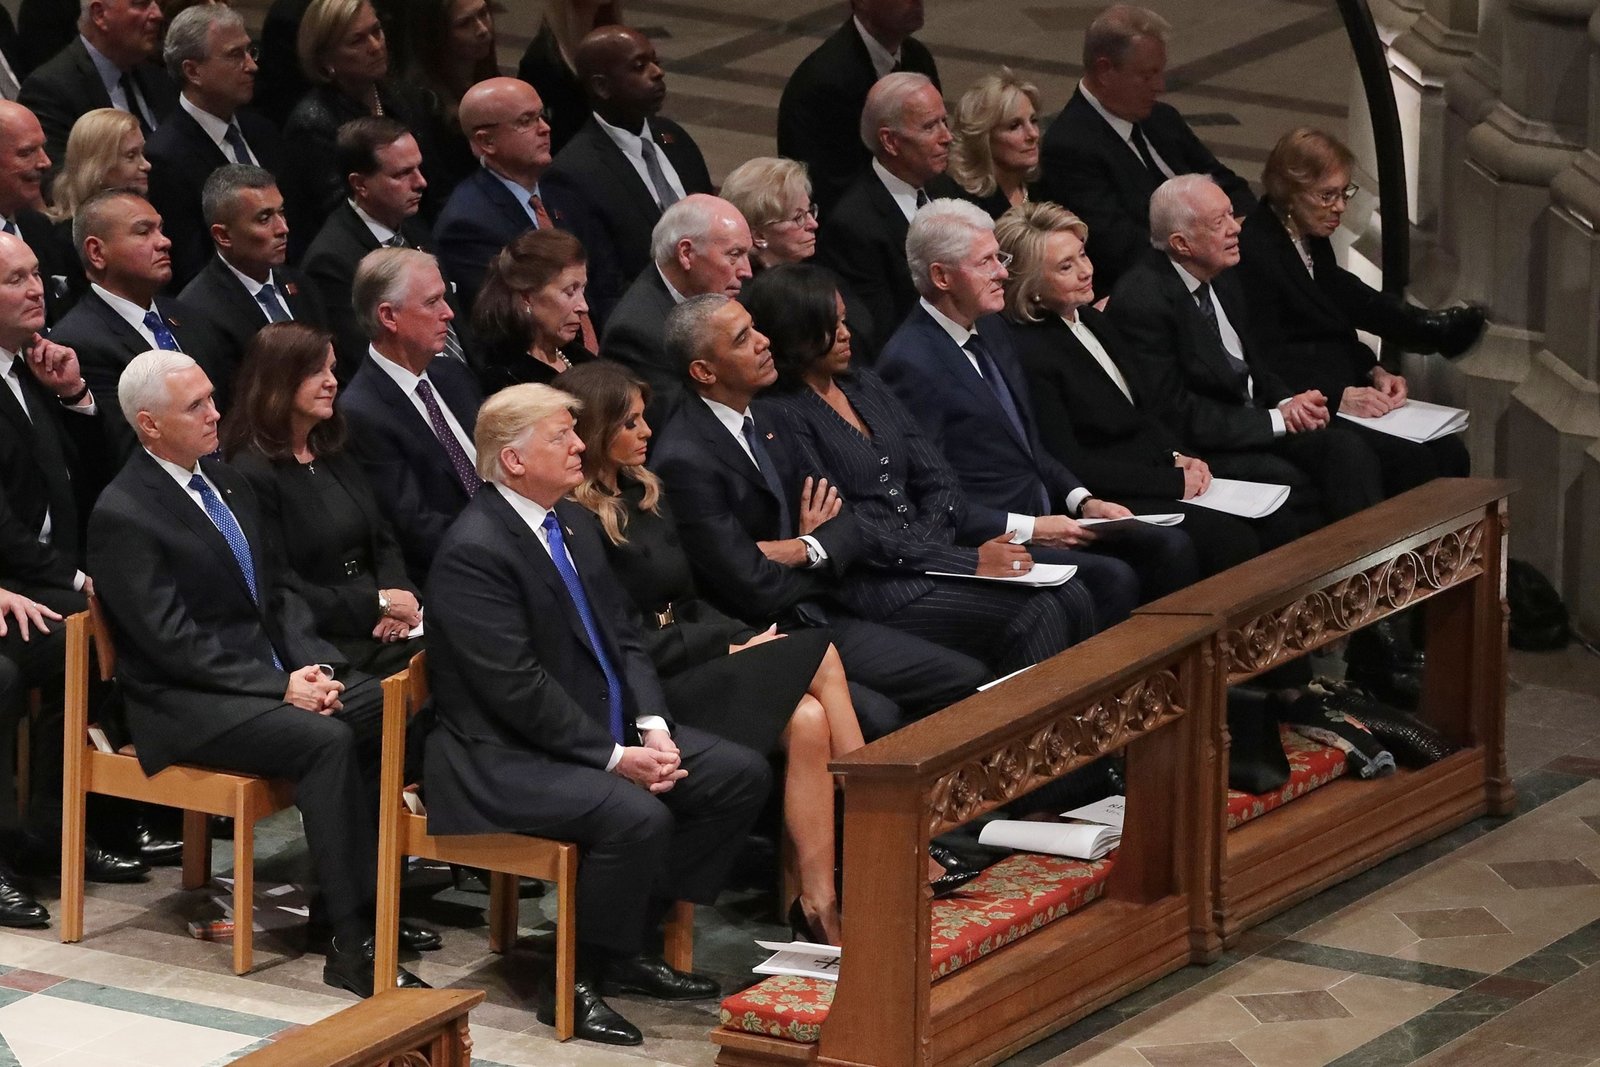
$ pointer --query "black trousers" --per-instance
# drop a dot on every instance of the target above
(333, 762)
(41, 664)
(896, 677)
(641, 849)
(1128, 568)
(1220, 541)
(1008, 627)
(1407, 464)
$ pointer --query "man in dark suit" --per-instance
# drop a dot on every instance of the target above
(551, 720)
(1115, 141)
(119, 237)
(1186, 319)
(627, 164)
(23, 169)
(245, 285)
(741, 533)
(952, 364)
(411, 408)
(863, 239)
(503, 119)
(219, 661)
(12, 68)
(107, 65)
(383, 166)
(819, 114)
(208, 53)
(44, 27)
(701, 245)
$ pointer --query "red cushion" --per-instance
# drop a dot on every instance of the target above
(1012, 898)
(1311, 765)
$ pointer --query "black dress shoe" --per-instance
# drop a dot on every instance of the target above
(418, 938)
(18, 909)
(1451, 331)
(155, 850)
(349, 967)
(43, 858)
(950, 861)
(593, 1019)
(949, 883)
(652, 976)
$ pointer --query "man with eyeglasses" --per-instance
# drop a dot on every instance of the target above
(209, 54)
(504, 121)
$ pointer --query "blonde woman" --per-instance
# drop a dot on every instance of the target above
(996, 151)
(774, 196)
(105, 150)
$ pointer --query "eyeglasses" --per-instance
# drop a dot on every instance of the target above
(522, 123)
(1327, 199)
(996, 264)
(238, 56)
(799, 217)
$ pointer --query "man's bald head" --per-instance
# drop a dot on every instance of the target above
(621, 75)
(504, 121)
(23, 162)
(21, 294)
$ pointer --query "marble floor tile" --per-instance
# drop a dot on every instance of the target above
(1477, 1051)
(1544, 874)
(160, 1043)
(1562, 1019)
(1452, 922)
(1198, 1054)
(1293, 1007)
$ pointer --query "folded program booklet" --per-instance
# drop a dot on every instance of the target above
(1080, 840)
(1040, 575)
(1248, 500)
(1415, 420)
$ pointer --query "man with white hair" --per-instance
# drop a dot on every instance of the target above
(863, 239)
(1187, 320)
(410, 409)
(1115, 141)
(701, 245)
(552, 722)
(952, 364)
(218, 660)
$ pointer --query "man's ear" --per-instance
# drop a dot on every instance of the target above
(684, 253)
(1178, 244)
(221, 237)
(145, 424)
(940, 276)
(94, 252)
(889, 141)
(701, 372)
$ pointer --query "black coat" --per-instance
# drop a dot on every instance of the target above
(819, 113)
(566, 108)
(44, 27)
(312, 129)
(232, 316)
(632, 337)
(40, 471)
(1091, 170)
(68, 86)
(59, 266)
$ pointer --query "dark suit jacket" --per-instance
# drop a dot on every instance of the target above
(410, 474)
(1194, 387)
(311, 130)
(592, 176)
(182, 156)
(194, 651)
(44, 27)
(39, 472)
(1091, 170)
(1000, 472)
(330, 263)
(566, 107)
(723, 506)
(105, 344)
(863, 241)
(59, 266)
(1307, 326)
(632, 337)
(231, 316)
(819, 114)
(482, 216)
(523, 713)
(68, 86)
(1117, 445)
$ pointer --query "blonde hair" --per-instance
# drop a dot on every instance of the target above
(762, 187)
(507, 416)
(324, 22)
(605, 391)
(979, 113)
(1023, 233)
(93, 148)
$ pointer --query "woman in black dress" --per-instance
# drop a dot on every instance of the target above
(283, 434)
(763, 689)
(446, 48)
(996, 150)
(531, 318)
(548, 65)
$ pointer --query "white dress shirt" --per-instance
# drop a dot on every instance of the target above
(217, 130)
(379, 230)
(130, 312)
(533, 514)
(632, 146)
(733, 422)
(904, 194)
(672, 290)
(1089, 341)
(1230, 340)
(1021, 526)
(1124, 130)
(407, 382)
(883, 60)
(181, 476)
(521, 193)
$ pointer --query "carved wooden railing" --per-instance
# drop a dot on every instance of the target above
(396, 1028)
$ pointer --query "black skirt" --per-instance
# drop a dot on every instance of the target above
(748, 696)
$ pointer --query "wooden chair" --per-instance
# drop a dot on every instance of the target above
(508, 857)
(199, 792)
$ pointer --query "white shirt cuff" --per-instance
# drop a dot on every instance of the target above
(616, 758)
(822, 553)
(1076, 498)
(1020, 527)
(1278, 427)
(646, 723)
(77, 581)
(84, 406)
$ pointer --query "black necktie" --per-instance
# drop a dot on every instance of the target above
(769, 474)
(1208, 311)
(1141, 146)
(126, 82)
(235, 138)
(1008, 403)
(922, 199)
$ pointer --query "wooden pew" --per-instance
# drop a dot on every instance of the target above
(1441, 545)
(410, 1027)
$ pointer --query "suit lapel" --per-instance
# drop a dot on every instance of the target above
(504, 200)
(89, 74)
(131, 340)
(1200, 336)
(531, 549)
(622, 171)
(953, 359)
(724, 447)
(1091, 366)
(182, 507)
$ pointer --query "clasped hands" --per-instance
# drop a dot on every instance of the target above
(653, 764)
(1387, 392)
(311, 689)
(400, 618)
(1001, 557)
(1304, 411)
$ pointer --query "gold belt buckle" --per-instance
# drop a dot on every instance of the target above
(665, 618)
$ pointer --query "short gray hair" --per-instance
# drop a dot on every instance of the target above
(219, 196)
(1172, 208)
(886, 104)
(942, 232)
(683, 337)
(382, 278)
(189, 35)
(90, 218)
(1114, 30)
(143, 384)
(689, 219)
(507, 416)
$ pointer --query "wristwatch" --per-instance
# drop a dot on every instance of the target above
(383, 604)
(813, 554)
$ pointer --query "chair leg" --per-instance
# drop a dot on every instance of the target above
(196, 849)
(566, 941)
(678, 938)
(386, 939)
(244, 889)
(73, 833)
(504, 910)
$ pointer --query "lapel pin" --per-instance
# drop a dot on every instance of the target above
(172, 321)
(290, 289)
(664, 137)
(769, 435)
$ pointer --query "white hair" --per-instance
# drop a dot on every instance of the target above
(690, 219)
(143, 385)
(942, 231)
(1173, 208)
(886, 104)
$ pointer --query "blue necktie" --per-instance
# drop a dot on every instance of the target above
(769, 474)
(235, 138)
(267, 297)
(158, 329)
(1008, 403)
(569, 577)
(228, 527)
